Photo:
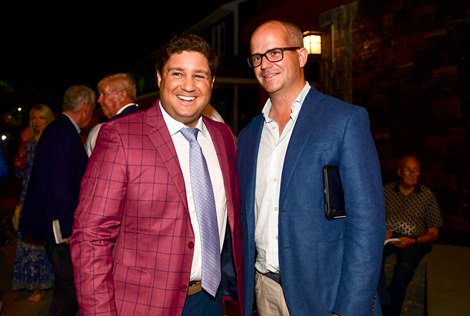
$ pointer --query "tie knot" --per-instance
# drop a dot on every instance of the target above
(189, 133)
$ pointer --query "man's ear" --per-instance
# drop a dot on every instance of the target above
(159, 79)
(86, 108)
(303, 56)
(122, 94)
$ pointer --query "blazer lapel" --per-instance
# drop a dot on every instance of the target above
(161, 138)
(308, 118)
(219, 145)
(249, 162)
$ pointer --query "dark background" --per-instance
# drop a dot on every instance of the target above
(46, 48)
(406, 62)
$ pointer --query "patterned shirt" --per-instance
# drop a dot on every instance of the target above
(411, 214)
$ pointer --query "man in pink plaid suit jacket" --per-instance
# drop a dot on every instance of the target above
(134, 240)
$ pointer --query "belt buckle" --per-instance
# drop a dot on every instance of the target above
(194, 287)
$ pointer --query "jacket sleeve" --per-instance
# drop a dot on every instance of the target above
(96, 226)
(365, 221)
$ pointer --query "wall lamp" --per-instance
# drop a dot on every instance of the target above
(312, 42)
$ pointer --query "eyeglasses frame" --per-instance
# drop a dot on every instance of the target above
(265, 55)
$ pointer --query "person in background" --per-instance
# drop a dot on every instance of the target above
(54, 185)
(298, 262)
(136, 243)
(32, 269)
(117, 94)
(4, 172)
(413, 217)
(7, 217)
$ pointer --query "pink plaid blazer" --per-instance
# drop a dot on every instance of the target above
(132, 241)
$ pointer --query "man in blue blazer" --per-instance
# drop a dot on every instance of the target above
(59, 163)
(298, 262)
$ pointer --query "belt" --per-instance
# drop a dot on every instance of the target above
(194, 287)
(273, 276)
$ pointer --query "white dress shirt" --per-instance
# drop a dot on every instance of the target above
(272, 151)
(208, 149)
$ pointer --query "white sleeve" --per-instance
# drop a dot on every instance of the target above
(91, 139)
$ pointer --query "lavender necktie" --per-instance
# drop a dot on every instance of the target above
(203, 196)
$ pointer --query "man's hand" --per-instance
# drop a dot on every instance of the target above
(404, 242)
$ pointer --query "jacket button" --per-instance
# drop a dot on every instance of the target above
(184, 288)
(191, 244)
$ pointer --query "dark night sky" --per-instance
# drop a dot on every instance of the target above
(47, 48)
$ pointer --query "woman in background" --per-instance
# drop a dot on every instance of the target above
(32, 269)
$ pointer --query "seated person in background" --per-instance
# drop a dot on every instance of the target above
(412, 216)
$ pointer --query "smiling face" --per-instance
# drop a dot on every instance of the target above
(185, 86)
(284, 75)
(409, 172)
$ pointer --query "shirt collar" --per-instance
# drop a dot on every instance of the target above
(295, 107)
(416, 189)
(175, 126)
(125, 106)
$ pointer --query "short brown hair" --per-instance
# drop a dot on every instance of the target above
(187, 42)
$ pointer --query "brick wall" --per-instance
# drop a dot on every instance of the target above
(410, 68)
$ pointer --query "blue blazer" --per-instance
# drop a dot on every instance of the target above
(325, 265)
(59, 164)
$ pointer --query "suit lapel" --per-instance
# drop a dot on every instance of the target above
(308, 119)
(219, 145)
(249, 162)
(161, 139)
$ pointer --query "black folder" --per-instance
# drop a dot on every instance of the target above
(333, 193)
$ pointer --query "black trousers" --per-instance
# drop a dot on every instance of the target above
(64, 299)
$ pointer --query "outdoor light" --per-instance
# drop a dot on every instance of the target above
(312, 42)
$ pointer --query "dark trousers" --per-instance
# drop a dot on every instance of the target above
(407, 261)
(64, 299)
(203, 304)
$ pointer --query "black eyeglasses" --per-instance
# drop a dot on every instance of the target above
(272, 55)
